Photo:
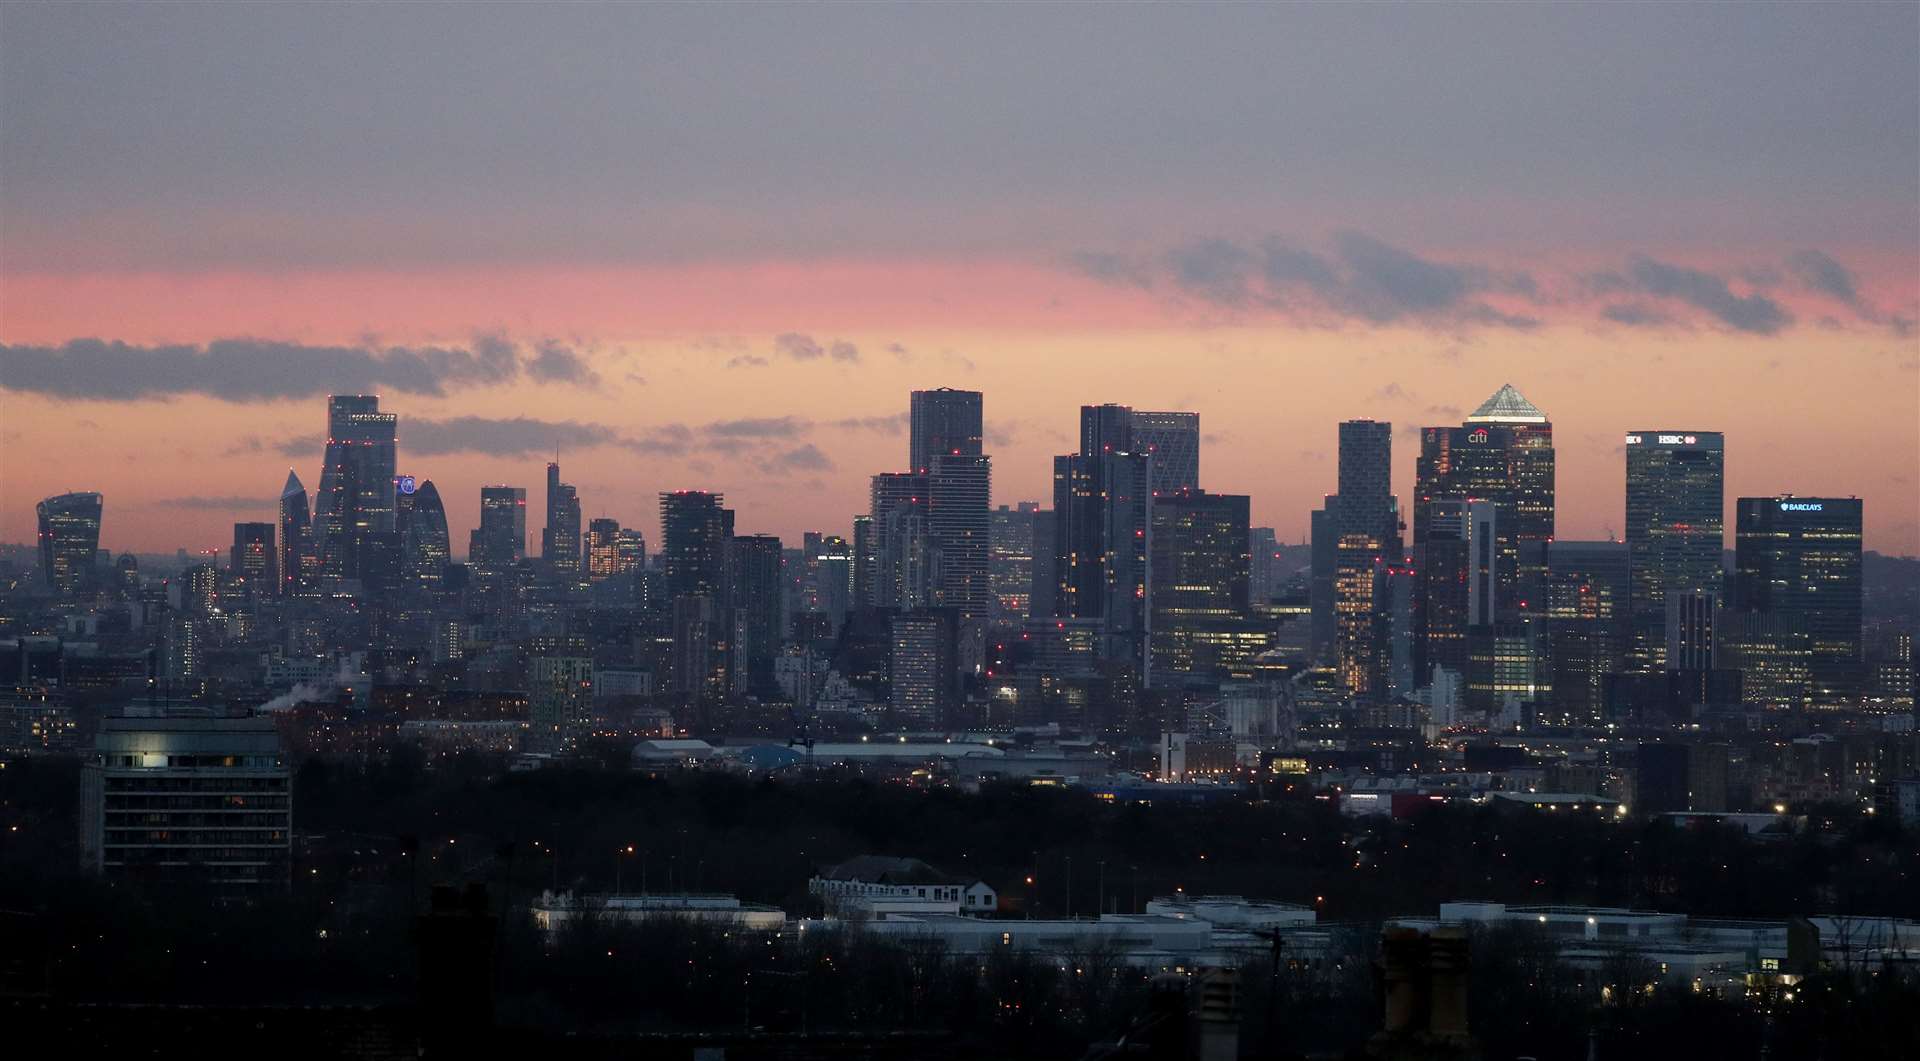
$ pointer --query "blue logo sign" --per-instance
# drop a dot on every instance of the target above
(403, 483)
(1801, 506)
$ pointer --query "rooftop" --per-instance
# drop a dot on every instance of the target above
(1507, 406)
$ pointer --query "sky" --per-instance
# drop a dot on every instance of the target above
(717, 246)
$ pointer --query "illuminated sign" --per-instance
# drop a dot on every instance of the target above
(1678, 440)
(1633, 440)
(1801, 506)
(1479, 435)
(403, 483)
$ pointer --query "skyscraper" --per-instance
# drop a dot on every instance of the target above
(426, 546)
(356, 482)
(1798, 559)
(1367, 536)
(69, 540)
(1457, 585)
(1675, 529)
(1324, 539)
(943, 421)
(1366, 483)
(902, 545)
(1173, 441)
(253, 559)
(560, 538)
(1199, 588)
(944, 450)
(922, 685)
(832, 564)
(1102, 506)
(1010, 567)
(601, 558)
(297, 557)
(697, 531)
(756, 596)
(1503, 454)
(959, 533)
(500, 541)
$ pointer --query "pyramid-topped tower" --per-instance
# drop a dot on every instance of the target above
(1507, 406)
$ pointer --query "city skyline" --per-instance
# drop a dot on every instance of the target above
(464, 509)
(733, 286)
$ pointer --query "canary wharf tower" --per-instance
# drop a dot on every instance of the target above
(1503, 454)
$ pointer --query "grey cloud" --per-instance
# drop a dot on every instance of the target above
(513, 437)
(890, 425)
(555, 363)
(1821, 273)
(239, 370)
(1386, 283)
(1703, 291)
(803, 347)
(761, 427)
(1635, 315)
(1214, 269)
(1363, 278)
(797, 346)
(748, 361)
(804, 457)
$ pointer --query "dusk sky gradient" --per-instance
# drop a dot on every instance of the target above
(716, 246)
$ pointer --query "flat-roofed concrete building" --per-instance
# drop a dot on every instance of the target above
(197, 798)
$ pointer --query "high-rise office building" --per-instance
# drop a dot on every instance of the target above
(864, 561)
(253, 559)
(356, 482)
(943, 421)
(601, 558)
(1690, 621)
(1798, 558)
(1675, 529)
(69, 540)
(902, 541)
(832, 573)
(1173, 441)
(1264, 580)
(1010, 567)
(500, 541)
(922, 671)
(297, 557)
(1586, 605)
(1366, 484)
(1199, 585)
(1102, 509)
(959, 535)
(426, 546)
(1367, 537)
(560, 538)
(1324, 537)
(953, 479)
(697, 530)
(756, 597)
(1503, 454)
(1457, 585)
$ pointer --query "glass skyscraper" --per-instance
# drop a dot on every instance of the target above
(1798, 559)
(69, 540)
(1675, 529)
(356, 481)
(1173, 441)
